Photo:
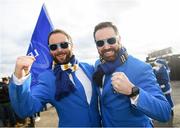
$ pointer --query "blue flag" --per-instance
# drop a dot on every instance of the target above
(39, 45)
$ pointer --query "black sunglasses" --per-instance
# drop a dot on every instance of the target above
(110, 41)
(63, 45)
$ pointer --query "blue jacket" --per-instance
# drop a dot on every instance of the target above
(72, 110)
(116, 108)
(163, 79)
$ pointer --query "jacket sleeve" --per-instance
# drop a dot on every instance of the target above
(25, 100)
(151, 101)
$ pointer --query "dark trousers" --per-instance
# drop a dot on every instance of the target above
(7, 115)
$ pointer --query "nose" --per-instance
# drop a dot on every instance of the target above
(59, 49)
(106, 45)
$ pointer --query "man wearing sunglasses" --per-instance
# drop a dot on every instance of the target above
(67, 86)
(129, 93)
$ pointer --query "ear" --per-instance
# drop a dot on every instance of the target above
(119, 40)
(72, 46)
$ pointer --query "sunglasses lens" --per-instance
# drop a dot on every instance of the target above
(53, 47)
(64, 45)
(100, 43)
(111, 40)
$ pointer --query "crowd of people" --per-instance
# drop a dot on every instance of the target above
(8, 117)
(118, 91)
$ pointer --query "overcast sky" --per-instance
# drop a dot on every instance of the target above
(144, 25)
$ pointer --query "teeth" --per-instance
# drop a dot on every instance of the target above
(109, 52)
(61, 55)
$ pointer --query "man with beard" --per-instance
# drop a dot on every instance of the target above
(67, 86)
(129, 93)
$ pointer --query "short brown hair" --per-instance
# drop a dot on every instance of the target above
(60, 31)
(5, 79)
(104, 25)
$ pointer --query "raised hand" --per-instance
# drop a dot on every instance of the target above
(23, 66)
(121, 83)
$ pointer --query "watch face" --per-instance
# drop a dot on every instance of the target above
(135, 91)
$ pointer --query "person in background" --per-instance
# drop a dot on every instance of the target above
(5, 80)
(1, 108)
(8, 115)
(162, 71)
(128, 90)
(67, 86)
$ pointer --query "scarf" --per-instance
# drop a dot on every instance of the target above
(109, 66)
(64, 86)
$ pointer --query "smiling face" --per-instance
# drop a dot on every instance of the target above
(60, 55)
(110, 49)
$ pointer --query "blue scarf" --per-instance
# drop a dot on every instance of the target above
(64, 85)
(109, 66)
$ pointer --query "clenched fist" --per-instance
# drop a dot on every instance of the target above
(121, 83)
(23, 66)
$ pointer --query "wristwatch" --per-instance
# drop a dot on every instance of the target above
(135, 92)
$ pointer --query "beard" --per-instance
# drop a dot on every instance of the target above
(63, 60)
(104, 54)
